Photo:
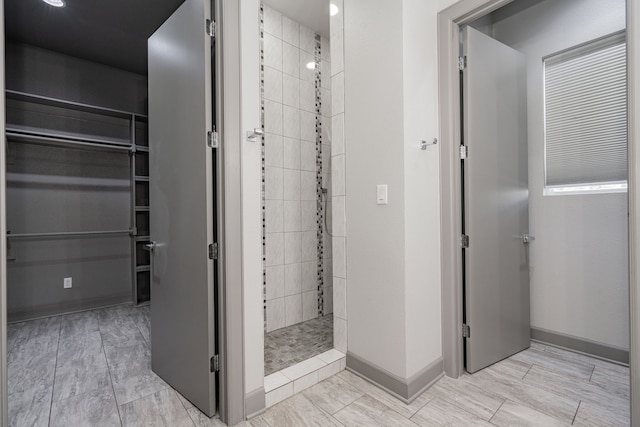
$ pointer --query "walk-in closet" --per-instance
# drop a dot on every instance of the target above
(78, 217)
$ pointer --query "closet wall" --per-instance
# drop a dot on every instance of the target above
(52, 188)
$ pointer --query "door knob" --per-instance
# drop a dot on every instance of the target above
(527, 238)
(151, 246)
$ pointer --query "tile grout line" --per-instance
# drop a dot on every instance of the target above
(55, 369)
(113, 390)
(525, 374)
(576, 414)
(592, 371)
(497, 410)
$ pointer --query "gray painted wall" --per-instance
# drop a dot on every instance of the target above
(55, 189)
(579, 267)
(48, 73)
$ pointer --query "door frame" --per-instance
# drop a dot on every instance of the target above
(449, 22)
(229, 174)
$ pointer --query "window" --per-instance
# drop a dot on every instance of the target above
(586, 118)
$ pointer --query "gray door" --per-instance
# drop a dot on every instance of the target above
(181, 204)
(496, 275)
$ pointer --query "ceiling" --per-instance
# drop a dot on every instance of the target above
(310, 13)
(115, 32)
(112, 32)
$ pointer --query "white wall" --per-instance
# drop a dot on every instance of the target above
(579, 266)
(421, 186)
(251, 194)
(393, 251)
(374, 137)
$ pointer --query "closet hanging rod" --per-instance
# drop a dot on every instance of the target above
(78, 106)
(67, 234)
(70, 143)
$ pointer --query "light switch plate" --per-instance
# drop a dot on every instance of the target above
(382, 195)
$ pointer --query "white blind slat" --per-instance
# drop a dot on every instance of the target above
(586, 116)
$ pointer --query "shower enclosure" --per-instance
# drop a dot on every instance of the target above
(296, 164)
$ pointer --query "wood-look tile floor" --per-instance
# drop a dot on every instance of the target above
(541, 386)
(90, 369)
(93, 369)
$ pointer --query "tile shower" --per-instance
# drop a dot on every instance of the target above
(296, 160)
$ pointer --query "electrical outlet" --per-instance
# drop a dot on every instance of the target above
(68, 282)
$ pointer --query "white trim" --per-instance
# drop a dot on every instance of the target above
(3, 240)
(449, 22)
(633, 79)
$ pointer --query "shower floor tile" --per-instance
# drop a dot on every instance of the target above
(287, 346)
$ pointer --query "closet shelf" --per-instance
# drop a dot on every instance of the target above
(67, 234)
(142, 148)
(78, 106)
(143, 238)
(142, 208)
(143, 268)
(142, 178)
(54, 140)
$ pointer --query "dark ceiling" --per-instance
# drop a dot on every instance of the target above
(112, 32)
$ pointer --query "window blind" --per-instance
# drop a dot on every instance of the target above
(586, 114)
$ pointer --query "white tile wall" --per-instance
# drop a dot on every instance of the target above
(273, 117)
(272, 84)
(273, 150)
(290, 60)
(292, 216)
(293, 309)
(275, 314)
(291, 184)
(290, 91)
(290, 31)
(310, 305)
(272, 22)
(291, 153)
(272, 52)
(291, 122)
(308, 185)
(309, 276)
(338, 181)
(274, 216)
(291, 206)
(275, 249)
(275, 276)
(292, 279)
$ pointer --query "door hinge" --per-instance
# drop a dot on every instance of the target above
(466, 331)
(215, 363)
(462, 63)
(464, 241)
(212, 139)
(213, 251)
(464, 152)
(210, 26)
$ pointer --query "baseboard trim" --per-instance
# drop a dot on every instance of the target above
(404, 389)
(581, 345)
(254, 403)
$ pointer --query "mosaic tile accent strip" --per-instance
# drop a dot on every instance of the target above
(319, 195)
(287, 346)
(262, 190)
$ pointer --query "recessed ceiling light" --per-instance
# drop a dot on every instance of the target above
(55, 3)
(311, 65)
(333, 9)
